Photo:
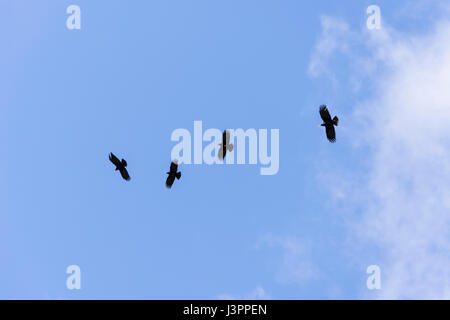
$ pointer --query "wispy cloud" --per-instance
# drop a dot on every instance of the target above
(296, 263)
(334, 39)
(405, 198)
(258, 294)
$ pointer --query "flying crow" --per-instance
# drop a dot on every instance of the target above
(328, 123)
(225, 145)
(172, 174)
(120, 165)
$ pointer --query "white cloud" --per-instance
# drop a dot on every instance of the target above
(296, 263)
(334, 38)
(405, 199)
(258, 294)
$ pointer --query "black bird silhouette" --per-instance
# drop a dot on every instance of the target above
(172, 174)
(225, 145)
(328, 123)
(120, 165)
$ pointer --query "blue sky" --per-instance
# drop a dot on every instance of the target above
(137, 71)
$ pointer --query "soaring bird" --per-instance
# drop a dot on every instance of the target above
(328, 123)
(120, 165)
(225, 145)
(172, 174)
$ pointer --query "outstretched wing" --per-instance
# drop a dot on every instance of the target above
(125, 174)
(224, 138)
(170, 180)
(114, 160)
(173, 167)
(331, 134)
(221, 153)
(324, 114)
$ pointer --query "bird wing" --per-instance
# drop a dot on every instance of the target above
(331, 134)
(227, 137)
(224, 138)
(114, 159)
(324, 114)
(221, 152)
(173, 167)
(169, 181)
(125, 174)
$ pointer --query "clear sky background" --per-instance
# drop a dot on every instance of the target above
(138, 70)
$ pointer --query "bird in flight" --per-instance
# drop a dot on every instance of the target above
(120, 165)
(328, 123)
(172, 174)
(225, 145)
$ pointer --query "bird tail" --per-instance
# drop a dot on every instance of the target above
(178, 175)
(335, 120)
